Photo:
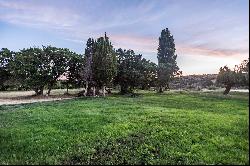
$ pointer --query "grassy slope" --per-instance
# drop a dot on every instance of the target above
(172, 128)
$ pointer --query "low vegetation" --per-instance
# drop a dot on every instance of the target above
(150, 128)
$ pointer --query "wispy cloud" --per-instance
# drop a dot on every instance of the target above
(209, 29)
(205, 51)
(137, 43)
(34, 14)
(71, 23)
(75, 40)
(150, 44)
(37, 15)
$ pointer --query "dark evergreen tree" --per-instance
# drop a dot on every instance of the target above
(6, 57)
(100, 65)
(87, 75)
(167, 65)
(134, 71)
(104, 63)
(129, 70)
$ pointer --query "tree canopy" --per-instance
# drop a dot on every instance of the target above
(129, 70)
(39, 67)
(134, 71)
(104, 62)
(167, 65)
(237, 77)
(6, 57)
(100, 65)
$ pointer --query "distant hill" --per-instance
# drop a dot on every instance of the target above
(194, 81)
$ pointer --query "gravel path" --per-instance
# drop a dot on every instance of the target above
(21, 97)
(22, 101)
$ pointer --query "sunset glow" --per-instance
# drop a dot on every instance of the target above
(208, 33)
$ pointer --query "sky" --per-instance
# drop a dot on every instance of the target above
(208, 34)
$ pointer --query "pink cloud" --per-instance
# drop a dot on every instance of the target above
(142, 44)
(150, 44)
(203, 50)
(38, 15)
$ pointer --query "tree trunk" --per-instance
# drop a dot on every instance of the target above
(103, 91)
(179, 83)
(67, 87)
(36, 91)
(97, 91)
(49, 88)
(39, 91)
(94, 91)
(49, 91)
(124, 89)
(89, 91)
(131, 89)
(160, 89)
(86, 89)
(227, 90)
(167, 87)
(109, 91)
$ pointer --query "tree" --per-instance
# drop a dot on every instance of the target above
(134, 71)
(237, 77)
(227, 77)
(57, 63)
(30, 68)
(167, 65)
(129, 70)
(104, 64)
(73, 73)
(87, 73)
(37, 68)
(149, 74)
(6, 57)
(243, 70)
(179, 75)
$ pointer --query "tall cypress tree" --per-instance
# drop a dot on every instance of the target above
(167, 66)
(104, 63)
(88, 68)
(100, 65)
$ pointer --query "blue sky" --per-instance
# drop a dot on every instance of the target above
(208, 33)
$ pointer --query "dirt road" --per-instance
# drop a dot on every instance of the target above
(21, 97)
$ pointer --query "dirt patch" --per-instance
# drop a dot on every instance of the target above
(32, 99)
(21, 97)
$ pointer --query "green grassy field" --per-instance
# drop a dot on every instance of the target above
(172, 128)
